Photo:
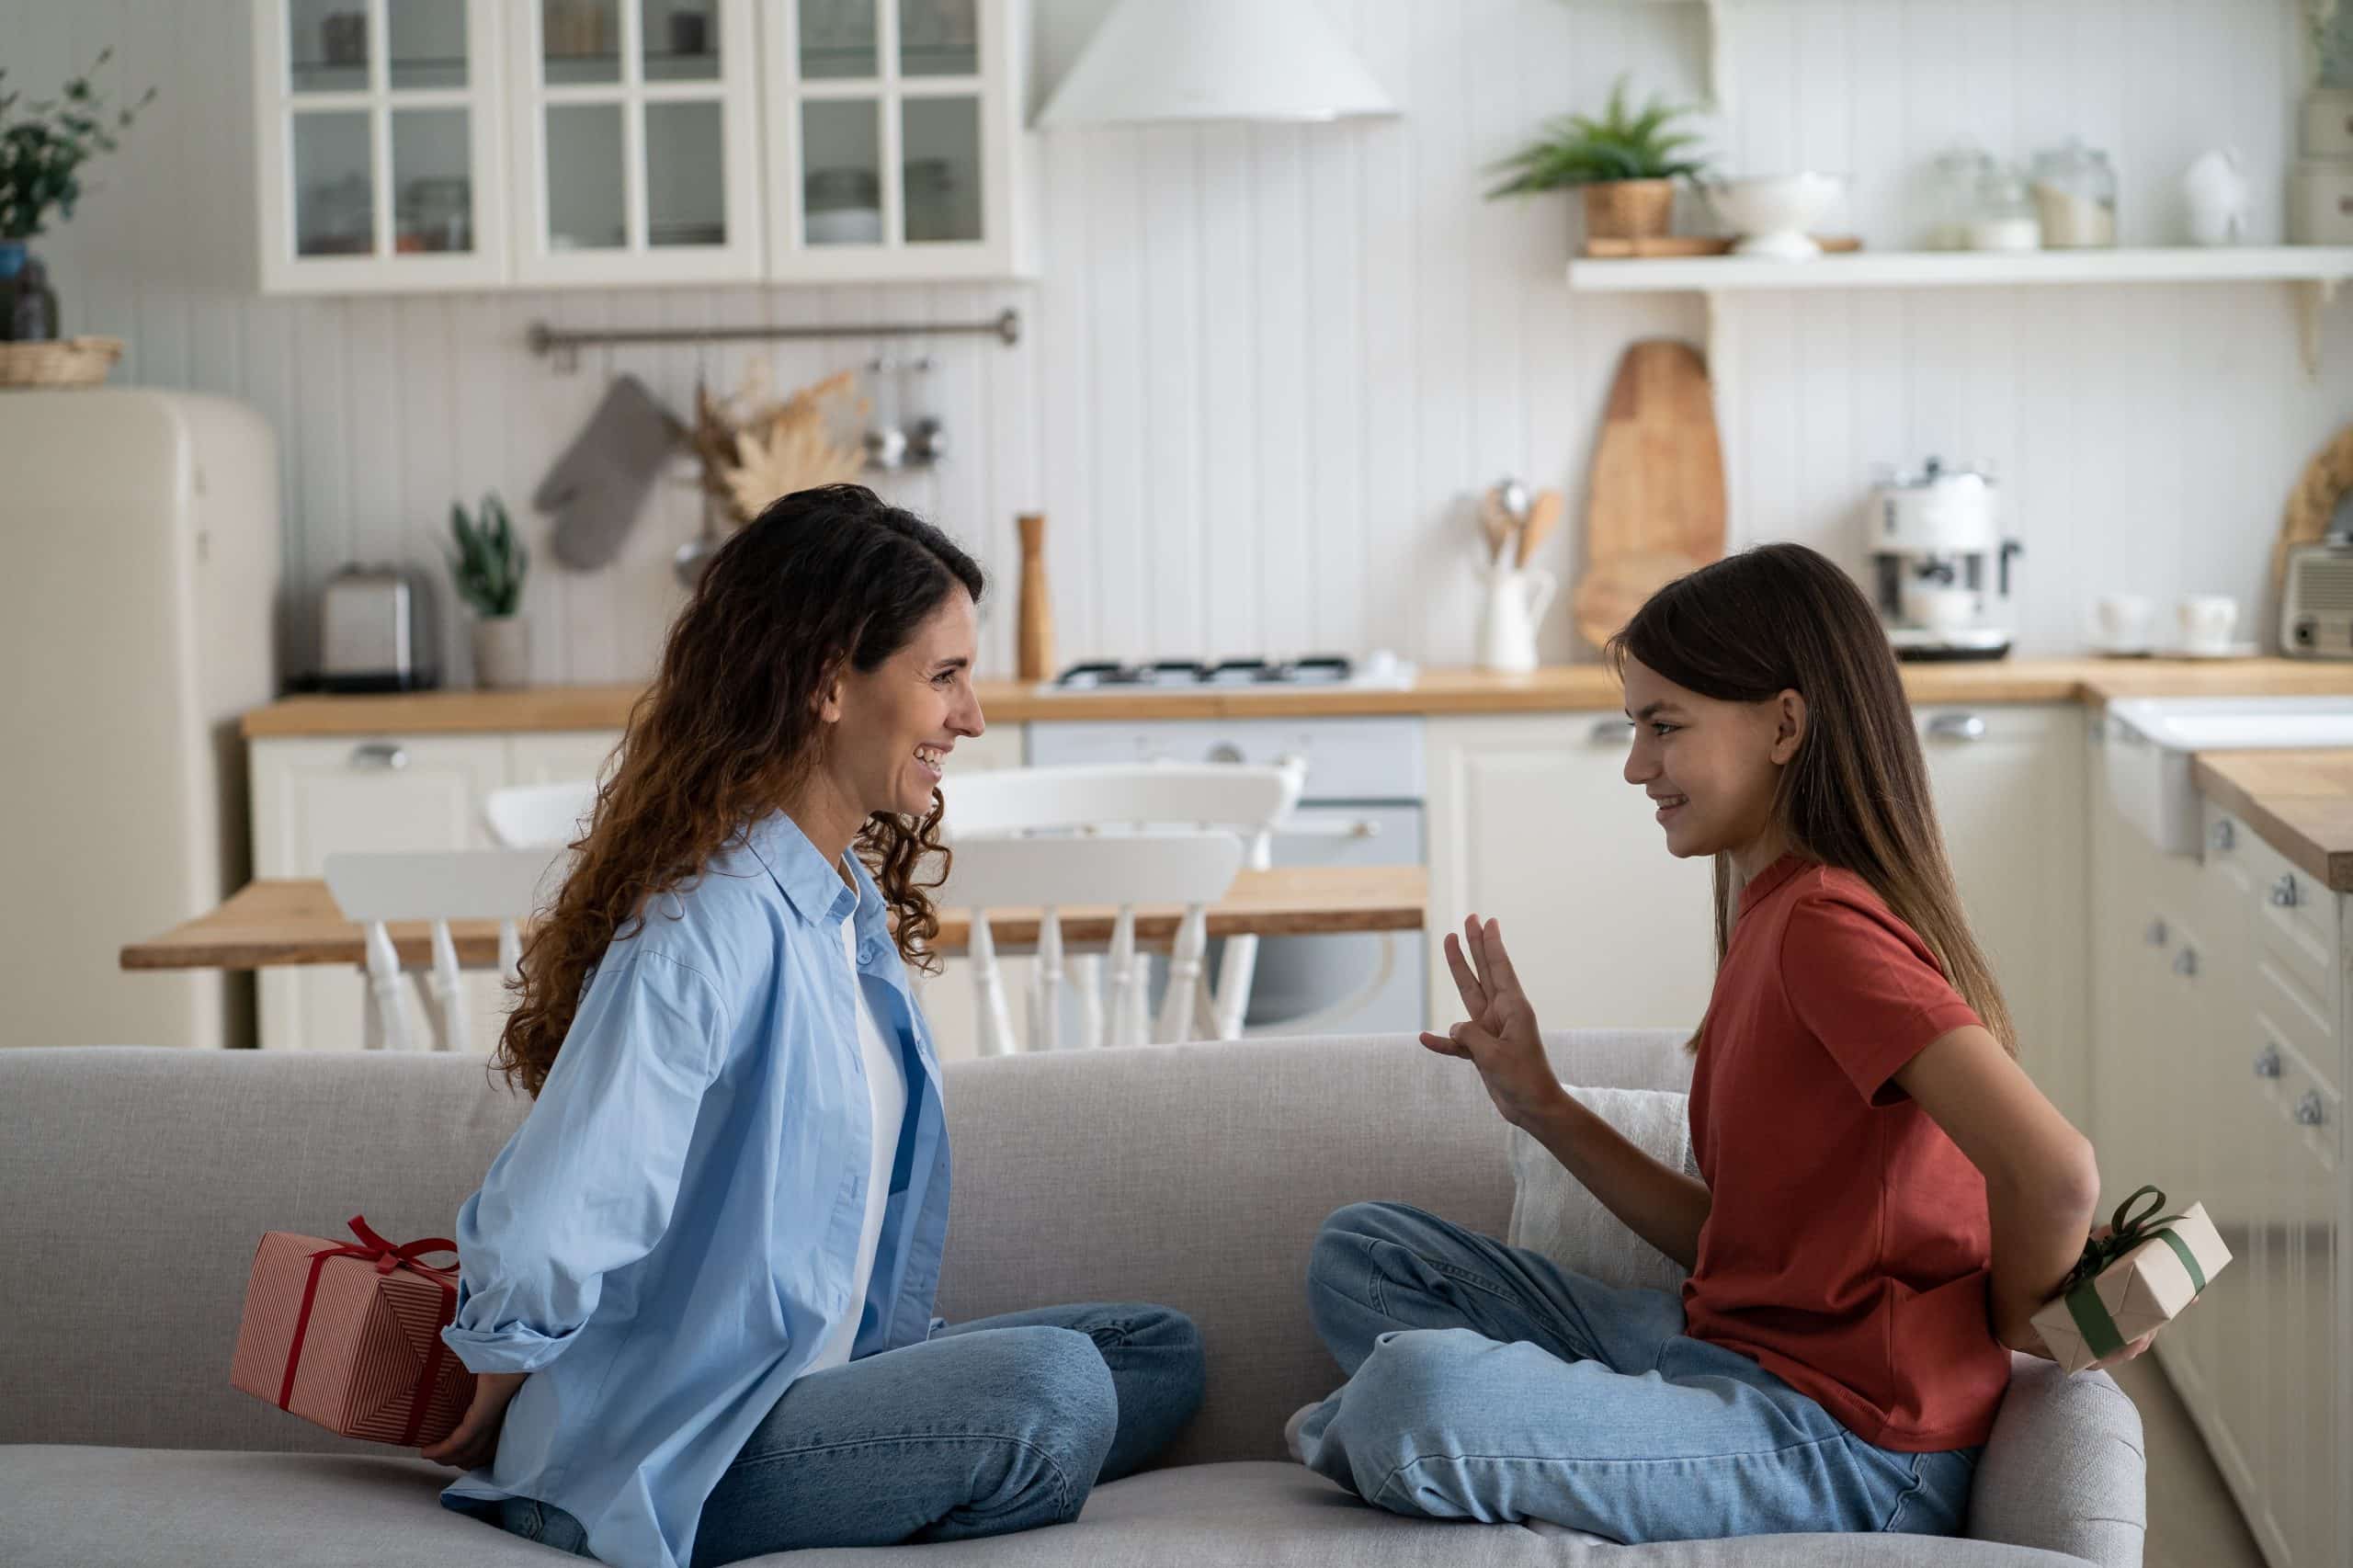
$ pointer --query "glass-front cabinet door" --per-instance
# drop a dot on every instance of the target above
(378, 138)
(894, 139)
(637, 149)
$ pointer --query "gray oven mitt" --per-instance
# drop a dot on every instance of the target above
(597, 487)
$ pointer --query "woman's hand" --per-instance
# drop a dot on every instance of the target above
(2035, 1347)
(1500, 1037)
(476, 1442)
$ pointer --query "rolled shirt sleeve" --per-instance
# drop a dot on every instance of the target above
(586, 1184)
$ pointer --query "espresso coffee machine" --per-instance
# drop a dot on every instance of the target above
(1941, 568)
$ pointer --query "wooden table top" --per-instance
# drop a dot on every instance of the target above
(271, 923)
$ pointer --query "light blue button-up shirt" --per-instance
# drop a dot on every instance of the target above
(667, 1239)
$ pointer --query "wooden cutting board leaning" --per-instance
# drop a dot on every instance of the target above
(1656, 507)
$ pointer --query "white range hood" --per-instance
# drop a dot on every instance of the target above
(1211, 60)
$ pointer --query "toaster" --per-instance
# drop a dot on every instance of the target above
(2316, 600)
(376, 631)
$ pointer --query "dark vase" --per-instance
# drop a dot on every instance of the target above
(29, 311)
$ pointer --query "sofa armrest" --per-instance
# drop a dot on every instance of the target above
(2066, 1469)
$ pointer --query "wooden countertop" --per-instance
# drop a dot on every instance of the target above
(265, 924)
(1560, 689)
(2300, 801)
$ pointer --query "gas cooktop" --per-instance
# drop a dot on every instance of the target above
(1381, 670)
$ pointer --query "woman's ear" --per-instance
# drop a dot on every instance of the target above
(829, 695)
(1789, 721)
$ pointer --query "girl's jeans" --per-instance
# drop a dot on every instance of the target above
(1484, 1382)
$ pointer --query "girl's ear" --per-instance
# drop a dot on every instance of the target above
(1789, 730)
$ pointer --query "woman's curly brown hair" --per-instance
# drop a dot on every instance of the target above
(725, 735)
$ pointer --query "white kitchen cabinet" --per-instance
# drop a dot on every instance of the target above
(559, 756)
(379, 144)
(1531, 821)
(1998, 772)
(896, 148)
(417, 145)
(313, 798)
(2217, 1066)
(636, 132)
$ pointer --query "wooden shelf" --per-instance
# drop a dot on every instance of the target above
(1944, 269)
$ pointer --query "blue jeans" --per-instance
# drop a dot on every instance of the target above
(1484, 1382)
(998, 1424)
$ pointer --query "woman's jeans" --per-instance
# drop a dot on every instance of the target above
(999, 1425)
(1486, 1383)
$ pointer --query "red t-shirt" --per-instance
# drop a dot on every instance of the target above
(1847, 1247)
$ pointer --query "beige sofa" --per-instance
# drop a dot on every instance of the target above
(137, 1180)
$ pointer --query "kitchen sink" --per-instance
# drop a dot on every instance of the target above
(2151, 741)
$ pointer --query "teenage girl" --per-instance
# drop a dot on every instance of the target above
(1885, 1196)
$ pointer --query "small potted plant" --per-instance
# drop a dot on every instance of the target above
(1626, 161)
(43, 145)
(488, 563)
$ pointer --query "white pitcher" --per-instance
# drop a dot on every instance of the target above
(1516, 604)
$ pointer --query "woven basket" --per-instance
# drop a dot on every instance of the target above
(58, 361)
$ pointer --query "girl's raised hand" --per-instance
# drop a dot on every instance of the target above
(1500, 1037)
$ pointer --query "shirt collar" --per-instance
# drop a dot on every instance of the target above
(811, 883)
(1762, 885)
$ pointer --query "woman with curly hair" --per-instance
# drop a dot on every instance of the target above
(697, 1284)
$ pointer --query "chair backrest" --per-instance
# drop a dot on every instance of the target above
(523, 816)
(1147, 796)
(505, 885)
(1190, 867)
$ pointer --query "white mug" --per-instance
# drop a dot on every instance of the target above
(2207, 622)
(2124, 620)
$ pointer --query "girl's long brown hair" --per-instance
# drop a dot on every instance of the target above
(1783, 618)
(822, 579)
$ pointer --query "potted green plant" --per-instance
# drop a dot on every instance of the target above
(43, 145)
(488, 563)
(1627, 163)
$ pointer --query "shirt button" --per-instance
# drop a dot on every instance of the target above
(866, 952)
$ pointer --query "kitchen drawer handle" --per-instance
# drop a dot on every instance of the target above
(2156, 933)
(382, 754)
(1957, 727)
(2267, 1061)
(1610, 732)
(2185, 961)
(2310, 1111)
(2285, 894)
(2224, 836)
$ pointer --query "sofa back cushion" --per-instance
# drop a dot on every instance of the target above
(138, 1181)
(1552, 1213)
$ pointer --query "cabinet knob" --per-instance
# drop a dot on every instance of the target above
(1610, 732)
(2267, 1061)
(2185, 961)
(2156, 933)
(1957, 727)
(2285, 894)
(2223, 836)
(1225, 750)
(379, 756)
(2310, 1109)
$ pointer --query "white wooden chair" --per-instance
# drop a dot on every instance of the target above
(1192, 868)
(440, 886)
(524, 816)
(1128, 800)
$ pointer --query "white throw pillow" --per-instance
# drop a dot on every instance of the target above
(1552, 1213)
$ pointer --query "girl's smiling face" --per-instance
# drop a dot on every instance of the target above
(1712, 766)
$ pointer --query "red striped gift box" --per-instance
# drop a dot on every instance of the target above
(349, 1336)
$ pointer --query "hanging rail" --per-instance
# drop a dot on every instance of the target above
(566, 345)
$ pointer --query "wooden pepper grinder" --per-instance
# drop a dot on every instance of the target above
(1035, 657)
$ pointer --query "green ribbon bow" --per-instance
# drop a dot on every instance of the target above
(2126, 1231)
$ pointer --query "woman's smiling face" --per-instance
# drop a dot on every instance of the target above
(1712, 766)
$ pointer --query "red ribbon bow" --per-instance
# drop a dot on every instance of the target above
(386, 1257)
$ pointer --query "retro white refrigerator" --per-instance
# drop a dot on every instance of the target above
(138, 570)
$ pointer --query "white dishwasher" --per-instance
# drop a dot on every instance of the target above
(1362, 807)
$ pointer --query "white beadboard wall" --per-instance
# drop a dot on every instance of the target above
(1267, 366)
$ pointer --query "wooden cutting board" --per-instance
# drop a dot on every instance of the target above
(1658, 472)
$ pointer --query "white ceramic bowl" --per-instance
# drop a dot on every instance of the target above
(1772, 212)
